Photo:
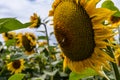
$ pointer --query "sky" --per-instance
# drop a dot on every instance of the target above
(23, 9)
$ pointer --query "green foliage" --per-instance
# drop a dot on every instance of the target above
(17, 56)
(9, 24)
(42, 37)
(110, 5)
(10, 42)
(17, 77)
(117, 14)
(42, 64)
(76, 76)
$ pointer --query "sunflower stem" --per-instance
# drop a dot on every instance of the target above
(2, 70)
(47, 37)
(51, 78)
(114, 65)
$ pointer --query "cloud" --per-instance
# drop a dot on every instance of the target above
(23, 9)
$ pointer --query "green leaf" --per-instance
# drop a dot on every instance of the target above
(110, 5)
(26, 24)
(17, 56)
(117, 14)
(17, 77)
(52, 49)
(52, 33)
(42, 37)
(10, 42)
(76, 76)
(9, 24)
(51, 73)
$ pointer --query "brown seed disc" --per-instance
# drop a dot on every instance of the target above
(73, 31)
(16, 64)
(26, 44)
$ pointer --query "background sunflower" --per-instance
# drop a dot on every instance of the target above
(16, 66)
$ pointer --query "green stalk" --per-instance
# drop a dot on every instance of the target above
(51, 78)
(47, 37)
(2, 70)
(114, 65)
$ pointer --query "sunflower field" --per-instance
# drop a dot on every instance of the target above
(87, 45)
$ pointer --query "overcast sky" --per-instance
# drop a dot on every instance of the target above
(23, 9)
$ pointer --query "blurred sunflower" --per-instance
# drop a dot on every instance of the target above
(28, 41)
(19, 39)
(42, 43)
(8, 35)
(79, 30)
(16, 66)
(35, 21)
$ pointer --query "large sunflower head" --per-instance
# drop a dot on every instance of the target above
(28, 41)
(16, 66)
(81, 34)
(8, 35)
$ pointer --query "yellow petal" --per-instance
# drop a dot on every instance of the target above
(91, 5)
(101, 14)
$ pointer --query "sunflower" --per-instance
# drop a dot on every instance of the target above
(42, 43)
(19, 39)
(16, 66)
(80, 31)
(27, 40)
(35, 21)
(8, 35)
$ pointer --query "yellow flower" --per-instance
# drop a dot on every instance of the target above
(8, 35)
(117, 56)
(16, 66)
(19, 39)
(28, 41)
(35, 20)
(79, 30)
(8, 56)
(42, 43)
